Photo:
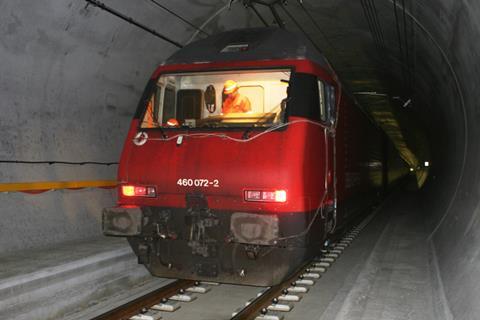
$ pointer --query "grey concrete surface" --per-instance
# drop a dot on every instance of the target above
(388, 273)
(48, 219)
(70, 77)
(71, 281)
(217, 304)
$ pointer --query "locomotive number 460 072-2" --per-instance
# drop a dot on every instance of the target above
(198, 183)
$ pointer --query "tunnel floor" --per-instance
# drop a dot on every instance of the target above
(71, 281)
(388, 272)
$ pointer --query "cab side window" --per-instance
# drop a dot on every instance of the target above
(169, 103)
(150, 118)
(321, 94)
(330, 104)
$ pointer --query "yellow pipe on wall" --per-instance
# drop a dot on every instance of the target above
(55, 185)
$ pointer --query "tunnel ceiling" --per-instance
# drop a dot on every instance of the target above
(370, 44)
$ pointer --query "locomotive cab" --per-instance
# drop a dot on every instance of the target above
(228, 170)
(199, 100)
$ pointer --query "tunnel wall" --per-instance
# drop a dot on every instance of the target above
(70, 79)
(452, 195)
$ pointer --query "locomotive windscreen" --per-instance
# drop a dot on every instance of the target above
(241, 98)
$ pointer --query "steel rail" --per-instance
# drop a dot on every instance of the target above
(261, 303)
(136, 306)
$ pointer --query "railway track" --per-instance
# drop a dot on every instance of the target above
(149, 306)
(272, 303)
(275, 302)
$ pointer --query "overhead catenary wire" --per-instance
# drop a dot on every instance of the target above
(315, 23)
(158, 4)
(376, 20)
(277, 17)
(407, 49)
(413, 68)
(257, 13)
(130, 20)
(405, 39)
(366, 14)
(299, 26)
(400, 44)
(414, 56)
(337, 54)
(213, 16)
(335, 76)
(371, 16)
(406, 45)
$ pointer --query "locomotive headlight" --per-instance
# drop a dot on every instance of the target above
(128, 191)
(266, 196)
(138, 191)
(280, 196)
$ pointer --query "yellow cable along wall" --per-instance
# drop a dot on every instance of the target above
(42, 186)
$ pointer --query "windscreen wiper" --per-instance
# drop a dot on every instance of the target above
(164, 136)
(246, 133)
(283, 106)
(156, 126)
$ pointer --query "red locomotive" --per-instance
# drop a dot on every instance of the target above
(243, 155)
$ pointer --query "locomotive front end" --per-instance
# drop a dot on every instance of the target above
(213, 185)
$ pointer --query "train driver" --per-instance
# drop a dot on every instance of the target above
(234, 101)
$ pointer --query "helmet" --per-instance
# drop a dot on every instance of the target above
(229, 86)
(173, 123)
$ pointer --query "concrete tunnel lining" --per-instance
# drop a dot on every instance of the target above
(71, 77)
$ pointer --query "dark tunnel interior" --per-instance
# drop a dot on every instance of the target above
(72, 73)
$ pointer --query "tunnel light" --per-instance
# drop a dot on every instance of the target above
(411, 169)
(407, 103)
(426, 164)
(371, 93)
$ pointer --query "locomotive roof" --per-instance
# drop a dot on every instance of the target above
(246, 45)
